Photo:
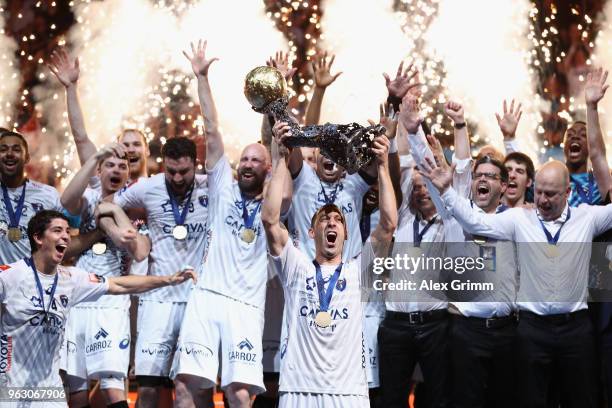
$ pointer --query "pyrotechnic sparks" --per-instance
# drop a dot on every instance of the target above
(9, 75)
(367, 39)
(132, 67)
(603, 58)
(485, 60)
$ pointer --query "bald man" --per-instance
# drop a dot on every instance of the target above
(224, 318)
(555, 334)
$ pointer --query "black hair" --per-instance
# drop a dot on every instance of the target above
(503, 172)
(522, 158)
(6, 133)
(39, 223)
(179, 147)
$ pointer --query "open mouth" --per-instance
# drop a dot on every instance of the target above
(331, 237)
(115, 180)
(512, 186)
(329, 166)
(10, 162)
(575, 148)
(483, 190)
(61, 248)
(248, 175)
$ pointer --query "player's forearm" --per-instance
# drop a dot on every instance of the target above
(214, 141)
(386, 200)
(313, 112)
(85, 147)
(72, 195)
(119, 285)
(597, 150)
(82, 242)
(396, 175)
(462, 143)
(271, 210)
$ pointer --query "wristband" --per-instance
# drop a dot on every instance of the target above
(393, 145)
(459, 125)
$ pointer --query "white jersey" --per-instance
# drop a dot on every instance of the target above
(38, 197)
(310, 194)
(29, 347)
(114, 262)
(168, 254)
(318, 360)
(233, 267)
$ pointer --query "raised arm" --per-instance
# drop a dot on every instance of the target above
(82, 242)
(66, 69)
(389, 119)
(121, 285)
(281, 130)
(321, 67)
(72, 197)
(118, 227)
(405, 81)
(276, 233)
(594, 91)
(455, 112)
(200, 66)
(387, 205)
(497, 226)
(508, 124)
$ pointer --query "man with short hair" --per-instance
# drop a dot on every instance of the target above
(521, 173)
(331, 322)
(555, 333)
(21, 198)
(86, 356)
(176, 207)
(37, 293)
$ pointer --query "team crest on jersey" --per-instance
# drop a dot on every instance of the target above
(203, 200)
(167, 207)
(36, 301)
(37, 207)
(71, 347)
(124, 343)
(341, 284)
(310, 284)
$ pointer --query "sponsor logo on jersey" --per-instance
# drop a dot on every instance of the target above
(157, 349)
(195, 349)
(4, 268)
(37, 207)
(167, 207)
(191, 228)
(64, 300)
(373, 362)
(6, 352)
(124, 343)
(36, 301)
(242, 352)
(51, 324)
(336, 314)
(100, 344)
(310, 283)
(237, 225)
(101, 333)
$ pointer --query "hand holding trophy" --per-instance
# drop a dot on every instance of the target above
(347, 145)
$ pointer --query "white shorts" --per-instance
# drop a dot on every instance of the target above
(273, 324)
(157, 332)
(309, 400)
(97, 343)
(216, 324)
(370, 332)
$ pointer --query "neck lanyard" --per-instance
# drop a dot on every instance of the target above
(325, 296)
(417, 236)
(553, 240)
(179, 217)
(41, 293)
(332, 197)
(14, 215)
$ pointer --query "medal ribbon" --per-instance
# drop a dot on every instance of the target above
(41, 293)
(14, 216)
(553, 240)
(325, 296)
(249, 219)
(418, 236)
(179, 217)
(331, 198)
(364, 227)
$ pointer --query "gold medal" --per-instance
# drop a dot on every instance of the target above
(552, 251)
(247, 235)
(99, 248)
(14, 234)
(179, 232)
(323, 319)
